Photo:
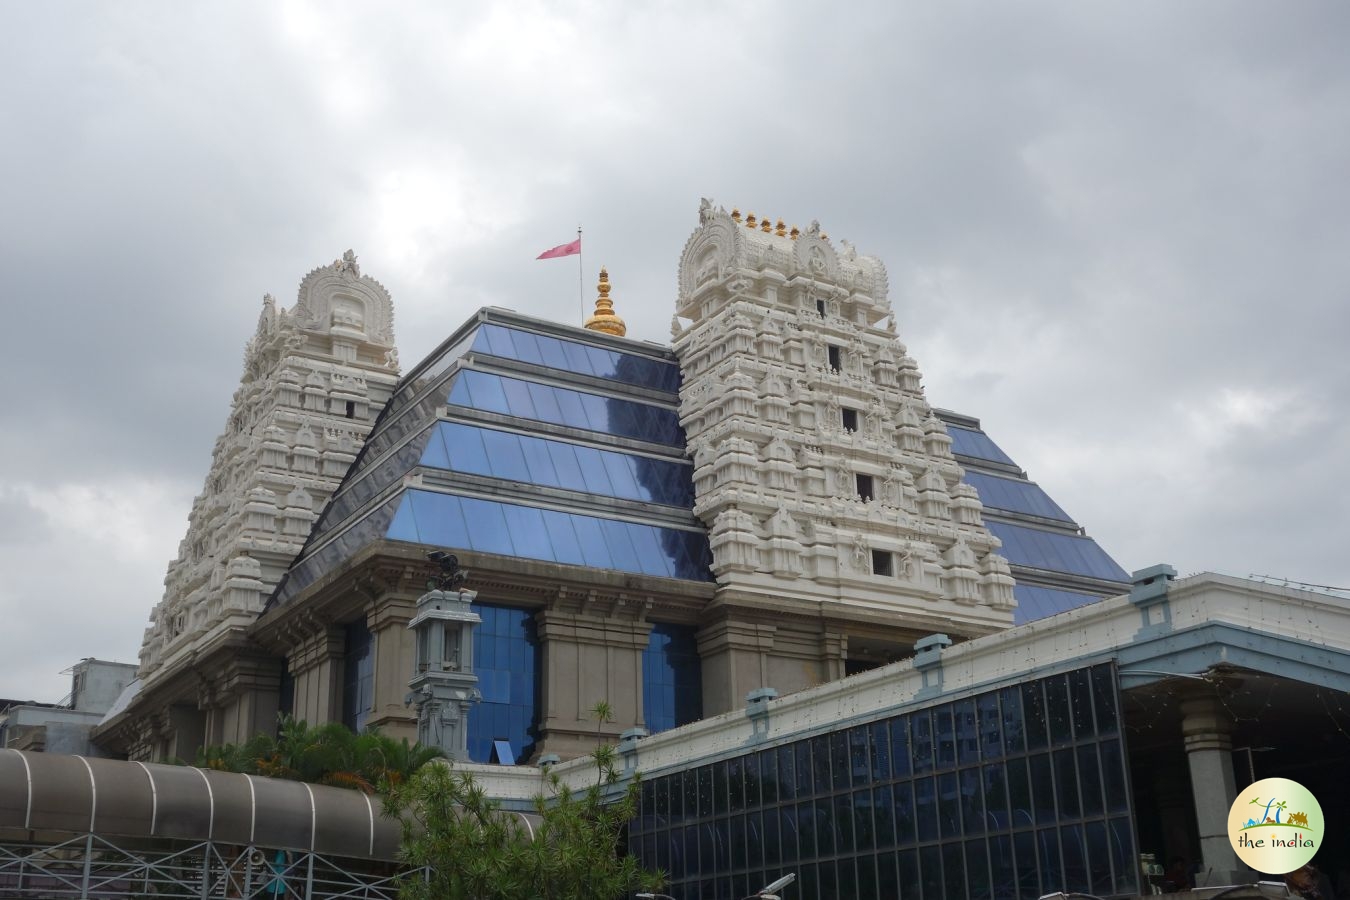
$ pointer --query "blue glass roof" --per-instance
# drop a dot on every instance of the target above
(573, 356)
(562, 406)
(1038, 549)
(1014, 495)
(1034, 602)
(560, 464)
(969, 442)
(509, 529)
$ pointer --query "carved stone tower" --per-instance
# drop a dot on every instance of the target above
(444, 686)
(315, 377)
(840, 529)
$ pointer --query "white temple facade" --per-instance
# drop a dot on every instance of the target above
(828, 485)
(315, 377)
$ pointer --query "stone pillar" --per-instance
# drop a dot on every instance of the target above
(1207, 733)
(443, 684)
(316, 665)
(735, 657)
(589, 657)
(393, 646)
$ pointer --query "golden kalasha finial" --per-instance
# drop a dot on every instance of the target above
(795, 233)
(779, 229)
(750, 221)
(604, 320)
(824, 236)
(735, 214)
(767, 226)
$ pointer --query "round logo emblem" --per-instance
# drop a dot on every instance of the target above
(1275, 825)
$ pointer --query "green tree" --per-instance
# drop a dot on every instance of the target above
(460, 844)
(327, 754)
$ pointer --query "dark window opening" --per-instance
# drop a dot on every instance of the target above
(850, 419)
(881, 563)
(836, 357)
(820, 308)
(351, 409)
(864, 486)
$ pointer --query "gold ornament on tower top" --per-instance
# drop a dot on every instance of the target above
(604, 319)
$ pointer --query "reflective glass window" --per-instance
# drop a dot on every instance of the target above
(574, 356)
(1104, 699)
(563, 406)
(1035, 602)
(456, 522)
(977, 871)
(1014, 495)
(672, 686)
(969, 442)
(1055, 551)
(1058, 717)
(358, 687)
(506, 654)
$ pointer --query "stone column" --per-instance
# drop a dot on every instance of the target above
(393, 644)
(1207, 733)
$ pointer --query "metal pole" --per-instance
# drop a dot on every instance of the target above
(581, 297)
(88, 861)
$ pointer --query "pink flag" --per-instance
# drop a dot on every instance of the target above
(571, 249)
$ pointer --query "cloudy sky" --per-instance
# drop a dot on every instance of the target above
(1117, 233)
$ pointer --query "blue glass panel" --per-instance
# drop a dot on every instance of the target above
(493, 527)
(578, 359)
(506, 654)
(504, 455)
(539, 461)
(435, 454)
(487, 526)
(620, 471)
(404, 526)
(594, 473)
(526, 527)
(440, 520)
(518, 399)
(594, 547)
(648, 547)
(551, 349)
(1056, 552)
(358, 687)
(621, 548)
(1034, 602)
(1014, 495)
(527, 349)
(487, 392)
(465, 449)
(564, 457)
(969, 442)
(545, 401)
(584, 359)
(570, 408)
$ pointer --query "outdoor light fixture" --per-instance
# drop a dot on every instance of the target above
(770, 890)
(648, 896)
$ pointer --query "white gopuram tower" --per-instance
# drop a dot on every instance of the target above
(840, 528)
(315, 377)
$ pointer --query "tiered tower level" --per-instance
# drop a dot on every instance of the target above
(315, 377)
(827, 483)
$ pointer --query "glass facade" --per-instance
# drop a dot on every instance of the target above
(560, 464)
(509, 529)
(358, 676)
(1007, 795)
(563, 406)
(1014, 495)
(573, 356)
(1055, 551)
(672, 679)
(1034, 602)
(976, 444)
(506, 661)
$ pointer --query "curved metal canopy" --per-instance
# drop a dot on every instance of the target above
(50, 792)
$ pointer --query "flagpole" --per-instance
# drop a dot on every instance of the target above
(581, 297)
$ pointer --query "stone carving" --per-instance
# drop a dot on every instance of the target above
(240, 536)
(765, 425)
